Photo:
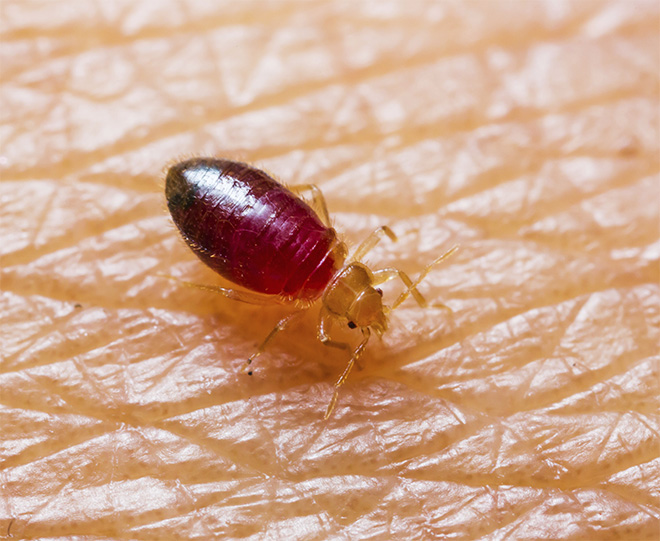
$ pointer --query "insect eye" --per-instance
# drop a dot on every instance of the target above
(352, 325)
(380, 291)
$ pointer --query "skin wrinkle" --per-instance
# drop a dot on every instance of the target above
(161, 129)
(418, 474)
(434, 393)
(480, 328)
(407, 137)
(192, 27)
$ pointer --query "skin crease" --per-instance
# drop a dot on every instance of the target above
(526, 132)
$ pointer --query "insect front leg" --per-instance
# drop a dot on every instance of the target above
(323, 330)
(326, 320)
(371, 241)
(366, 333)
(318, 200)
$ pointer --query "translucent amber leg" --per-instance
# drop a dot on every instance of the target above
(344, 376)
(318, 200)
(235, 294)
(281, 325)
(371, 241)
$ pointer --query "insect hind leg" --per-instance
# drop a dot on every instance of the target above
(318, 200)
(242, 296)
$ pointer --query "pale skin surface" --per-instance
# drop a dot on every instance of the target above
(525, 131)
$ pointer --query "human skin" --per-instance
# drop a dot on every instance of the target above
(527, 132)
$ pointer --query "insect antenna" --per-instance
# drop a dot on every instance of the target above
(411, 287)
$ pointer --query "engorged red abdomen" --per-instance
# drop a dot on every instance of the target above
(251, 229)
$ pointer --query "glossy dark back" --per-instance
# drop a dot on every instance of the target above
(249, 228)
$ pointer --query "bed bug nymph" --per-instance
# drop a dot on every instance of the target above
(263, 237)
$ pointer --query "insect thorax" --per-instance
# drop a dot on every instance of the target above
(351, 295)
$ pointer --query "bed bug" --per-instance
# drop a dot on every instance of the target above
(265, 238)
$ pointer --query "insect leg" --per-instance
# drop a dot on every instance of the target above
(281, 325)
(344, 376)
(318, 200)
(325, 322)
(384, 275)
(370, 242)
(235, 294)
(323, 330)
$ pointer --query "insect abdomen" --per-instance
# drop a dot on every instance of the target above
(250, 229)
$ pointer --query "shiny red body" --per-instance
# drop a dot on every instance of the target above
(251, 229)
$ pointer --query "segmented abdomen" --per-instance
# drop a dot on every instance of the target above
(251, 229)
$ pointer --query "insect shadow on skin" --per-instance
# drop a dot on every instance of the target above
(264, 237)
